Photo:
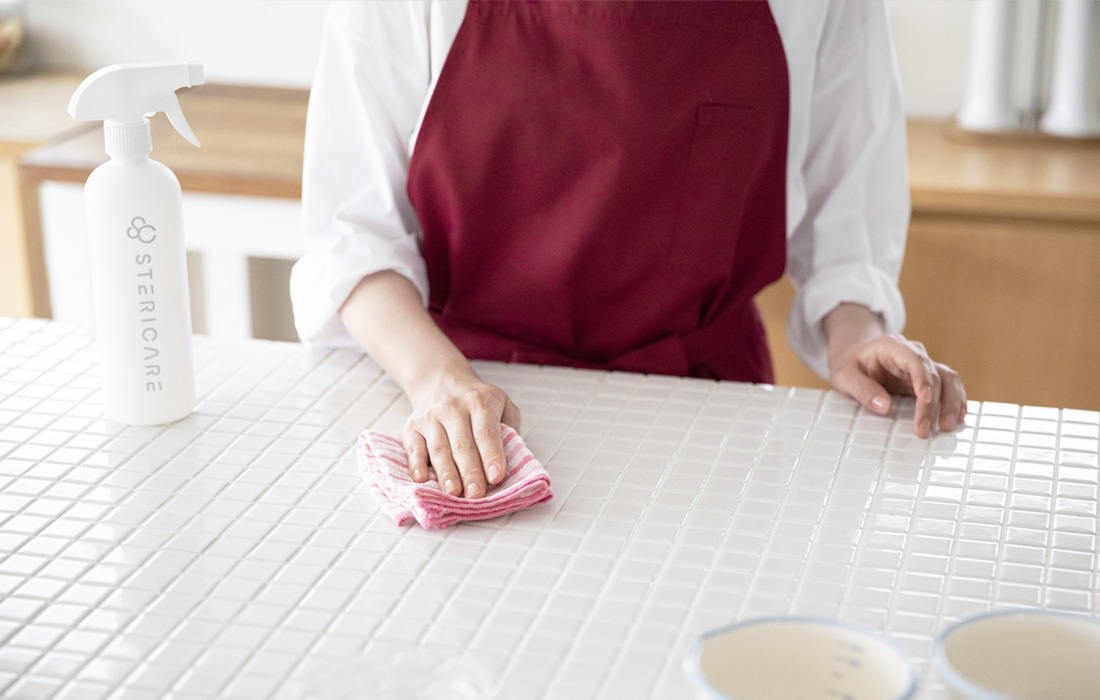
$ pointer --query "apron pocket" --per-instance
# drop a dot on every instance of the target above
(722, 166)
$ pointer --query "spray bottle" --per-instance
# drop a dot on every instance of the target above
(133, 212)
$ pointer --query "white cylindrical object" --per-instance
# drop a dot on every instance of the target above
(1074, 108)
(1035, 654)
(133, 207)
(798, 657)
(139, 291)
(989, 104)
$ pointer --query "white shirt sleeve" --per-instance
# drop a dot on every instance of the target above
(848, 206)
(372, 81)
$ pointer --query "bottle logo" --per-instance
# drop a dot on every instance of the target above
(141, 231)
(148, 316)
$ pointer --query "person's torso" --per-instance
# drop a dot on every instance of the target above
(603, 183)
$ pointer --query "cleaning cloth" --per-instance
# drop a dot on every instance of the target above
(385, 466)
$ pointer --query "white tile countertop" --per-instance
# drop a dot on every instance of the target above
(236, 553)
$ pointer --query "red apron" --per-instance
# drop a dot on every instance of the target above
(603, 184)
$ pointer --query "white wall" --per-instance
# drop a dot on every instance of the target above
(275, 42)
(932, 41)
(262, 42)
(932, 38)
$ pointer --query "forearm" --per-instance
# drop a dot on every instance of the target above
(385, 315)
(456, 417)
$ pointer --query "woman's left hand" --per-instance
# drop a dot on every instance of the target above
(869, 365)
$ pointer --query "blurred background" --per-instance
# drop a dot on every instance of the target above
(275, 42)
(265, 42)
(1005, 239)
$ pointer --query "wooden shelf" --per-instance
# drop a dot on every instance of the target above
(953, 173)
(252, 140)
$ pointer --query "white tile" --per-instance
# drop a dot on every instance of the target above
(210, 558)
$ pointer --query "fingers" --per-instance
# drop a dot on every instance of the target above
(863, 389)
(458, 435)
(908, 362)
(464, 450)
(490, 449)
(893, 363)
(442, 461)
(952, 398)
(928, 405)
(452, 451)
(417, 450)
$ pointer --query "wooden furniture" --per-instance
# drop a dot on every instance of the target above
(32, 112)
(241, 206)
(1002, 269)
(252, 140)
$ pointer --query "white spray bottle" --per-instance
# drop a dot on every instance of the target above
(133, 212)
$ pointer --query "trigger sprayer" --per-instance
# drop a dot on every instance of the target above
(123, 96)
(133, 214)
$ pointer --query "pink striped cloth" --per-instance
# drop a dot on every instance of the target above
(385, 466)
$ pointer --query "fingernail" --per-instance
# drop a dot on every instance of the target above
(452, 487)
(950, 422)
(474, 491)
(927, 393)
(417, 475)
(925, 427)
(494, 472)
(879, 403)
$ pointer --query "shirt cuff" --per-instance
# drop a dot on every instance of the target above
(321, 282)
(855, 283)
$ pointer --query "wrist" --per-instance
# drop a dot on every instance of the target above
(850, 326)
(425, 385)
(384, 313)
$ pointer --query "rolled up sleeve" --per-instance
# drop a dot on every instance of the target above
(371, 84)
(848, 246)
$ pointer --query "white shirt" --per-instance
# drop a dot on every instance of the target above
(847, 190)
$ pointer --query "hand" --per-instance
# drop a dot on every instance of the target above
(869, 366)
(455, 424)
(455, 427)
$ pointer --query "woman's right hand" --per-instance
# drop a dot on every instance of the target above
(455, 429)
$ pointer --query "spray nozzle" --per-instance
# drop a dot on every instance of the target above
(123, 95)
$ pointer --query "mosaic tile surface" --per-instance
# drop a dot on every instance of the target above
(235, 554)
